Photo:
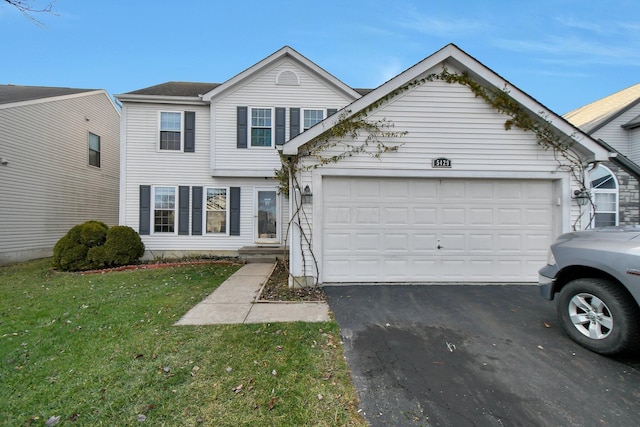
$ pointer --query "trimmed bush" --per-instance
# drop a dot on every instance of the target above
(123, 246)
(70, 253)
(94, 245)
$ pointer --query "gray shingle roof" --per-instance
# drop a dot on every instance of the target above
(594, 116)
(176, 89)
(13, 93)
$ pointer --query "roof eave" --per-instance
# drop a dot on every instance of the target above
(160, 99)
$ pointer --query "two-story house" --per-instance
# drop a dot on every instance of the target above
(461, 198)
(198, 159)
(614, 121)
(59, 165)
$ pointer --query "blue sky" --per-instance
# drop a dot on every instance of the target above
(564, 53)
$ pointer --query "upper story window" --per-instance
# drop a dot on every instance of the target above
(217, 212)
(94, 150)
(311, 117)
(261, 127)
(604, 189)
(171, 131)
(164, 210)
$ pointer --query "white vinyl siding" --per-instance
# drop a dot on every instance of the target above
(48, 185)
(445, 120)
(227, 159)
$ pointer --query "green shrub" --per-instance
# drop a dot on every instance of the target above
(123, 246)
(70, 253)
(93, 245)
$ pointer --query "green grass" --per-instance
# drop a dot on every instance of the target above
(101, 349)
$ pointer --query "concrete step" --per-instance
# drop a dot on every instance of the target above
(262, 254)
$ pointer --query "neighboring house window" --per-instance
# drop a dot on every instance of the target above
(261, 132)
(604, 190)
(311, 117)
(164, 210)
(170, 131)
(94, 150)
(216, 210)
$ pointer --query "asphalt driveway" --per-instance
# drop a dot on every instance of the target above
(459, 355)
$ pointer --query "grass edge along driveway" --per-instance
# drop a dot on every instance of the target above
(101, 349)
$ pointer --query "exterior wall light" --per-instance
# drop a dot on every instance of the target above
(307, 197)
(581, 197)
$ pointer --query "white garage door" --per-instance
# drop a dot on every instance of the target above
(416, 230)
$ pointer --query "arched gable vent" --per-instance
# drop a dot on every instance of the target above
(287, 78)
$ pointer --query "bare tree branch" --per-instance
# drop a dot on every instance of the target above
(28, 8)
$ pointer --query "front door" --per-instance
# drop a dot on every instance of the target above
(267, 212)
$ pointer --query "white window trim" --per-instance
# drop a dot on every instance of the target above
(89, 133)
(273, 127)
(205, 210)
(153, 211)
(324, 115)
(615, 191)
(159, 129)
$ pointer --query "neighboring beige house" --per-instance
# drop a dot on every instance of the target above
(614, 121)
(461, 200)
(59, 165)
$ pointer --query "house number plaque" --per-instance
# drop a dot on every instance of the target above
(442, 162)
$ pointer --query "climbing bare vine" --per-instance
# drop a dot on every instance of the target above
(343, 140)
(350, 135)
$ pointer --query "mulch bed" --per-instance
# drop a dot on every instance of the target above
(277, 287)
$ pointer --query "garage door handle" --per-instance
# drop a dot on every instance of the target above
(440, 247)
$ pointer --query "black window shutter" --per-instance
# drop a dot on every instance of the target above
(234, 211)
(189, 131)
(331, 111)
(196, 211)
(280, 125)
(294, 122)
(242, 127)
(183, 210)
(145, 209)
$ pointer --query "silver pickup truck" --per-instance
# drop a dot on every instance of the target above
(596, 275)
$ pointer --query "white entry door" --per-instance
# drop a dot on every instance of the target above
(266, 214)
(432, 230)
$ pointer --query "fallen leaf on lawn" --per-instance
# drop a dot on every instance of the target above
(195, 370)
(541, 347)
(278, 348)
(142, 418)
(320, 397)
(546, 325)
(138, 356)
(238, 389)
(166, 369)
(274, 373)
(272, 402)
(52, 421)
(74, 417)
(147, 408)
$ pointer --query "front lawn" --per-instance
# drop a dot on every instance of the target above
(101, 349)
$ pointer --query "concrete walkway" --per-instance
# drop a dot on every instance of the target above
(234, 301)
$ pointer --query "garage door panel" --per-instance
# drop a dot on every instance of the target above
(367, 215)
(453, 216)
(396, 242)
(424, 242)
(396, 216)
(389, 230)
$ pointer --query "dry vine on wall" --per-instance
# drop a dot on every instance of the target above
(343, 141)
